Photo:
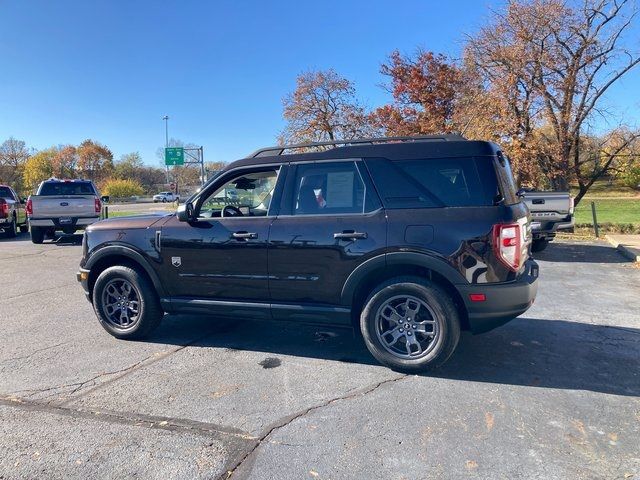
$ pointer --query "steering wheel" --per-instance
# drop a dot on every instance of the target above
(233, 211)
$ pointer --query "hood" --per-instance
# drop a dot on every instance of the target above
(134, 221)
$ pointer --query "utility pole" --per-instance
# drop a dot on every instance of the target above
(166, 140)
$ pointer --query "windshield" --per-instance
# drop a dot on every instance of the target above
(6, 193)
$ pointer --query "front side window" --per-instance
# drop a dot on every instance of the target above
(246, 194)
(328, 188)
(5, 192)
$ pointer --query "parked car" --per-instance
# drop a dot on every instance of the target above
(12, 212)
(165, 197)
(415, 239)
(550, 212)
(62, 205)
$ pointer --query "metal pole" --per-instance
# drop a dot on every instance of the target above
(595, 219)
(202, 174)
(166, 141)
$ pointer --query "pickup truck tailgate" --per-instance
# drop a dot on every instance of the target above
(45, 206)
(549, 206)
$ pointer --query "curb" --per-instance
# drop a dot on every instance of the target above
(631, 253)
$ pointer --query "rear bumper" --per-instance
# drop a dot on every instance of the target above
(541, 228)
(55, 222)
(504, 301)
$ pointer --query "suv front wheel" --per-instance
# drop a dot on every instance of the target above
(126, 303)
(410, 324)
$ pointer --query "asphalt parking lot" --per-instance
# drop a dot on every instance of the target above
(553, 394)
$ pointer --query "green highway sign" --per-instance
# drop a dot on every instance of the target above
(174, 156)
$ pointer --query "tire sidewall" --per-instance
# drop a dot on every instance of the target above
(125, 273)
(448, 323)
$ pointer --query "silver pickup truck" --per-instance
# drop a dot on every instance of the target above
(550, 212)
(66, 205)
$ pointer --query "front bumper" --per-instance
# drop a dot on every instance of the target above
(83, 277)
(504, 301)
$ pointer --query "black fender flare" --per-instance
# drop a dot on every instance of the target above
(136, 256)
(398, 258)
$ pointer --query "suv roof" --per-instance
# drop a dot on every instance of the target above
(393, 148)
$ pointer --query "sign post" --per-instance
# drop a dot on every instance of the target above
(174, 156)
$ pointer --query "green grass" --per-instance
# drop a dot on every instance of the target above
(618, 211)
(126, 214)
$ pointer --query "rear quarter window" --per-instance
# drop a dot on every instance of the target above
(431, 183)
(67, 188)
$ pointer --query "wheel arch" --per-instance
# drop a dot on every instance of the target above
(378, 270)
(119, 255)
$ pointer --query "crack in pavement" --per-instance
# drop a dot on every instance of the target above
(14, 359)
(6, 299)
(291, 418)
(178, 425)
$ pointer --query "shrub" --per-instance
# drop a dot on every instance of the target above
(631, 178)
(122, 188)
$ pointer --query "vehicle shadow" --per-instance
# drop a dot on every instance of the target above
(580, 253)
(526, 352)
(21, 237)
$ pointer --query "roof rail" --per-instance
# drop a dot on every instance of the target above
(280, 149)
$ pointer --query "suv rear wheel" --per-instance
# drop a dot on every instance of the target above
(126, 304)
(410, 325)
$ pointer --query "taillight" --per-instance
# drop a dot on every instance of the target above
(98, 205)
(4, 209)
(571, 205)
(29, 207)
(506, 244)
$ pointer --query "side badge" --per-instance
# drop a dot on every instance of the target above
(176, 261)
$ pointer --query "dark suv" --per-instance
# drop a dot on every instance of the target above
(410, 240)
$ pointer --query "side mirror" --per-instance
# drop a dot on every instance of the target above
(185, 212)
(105, 198)
(23, 200)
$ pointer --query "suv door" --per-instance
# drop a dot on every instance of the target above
(222, 256)
(330, 221)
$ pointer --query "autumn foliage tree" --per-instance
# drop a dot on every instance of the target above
(94, 161)
(323, 107)
(425, 90)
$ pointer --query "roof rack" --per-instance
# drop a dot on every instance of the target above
(280, 149)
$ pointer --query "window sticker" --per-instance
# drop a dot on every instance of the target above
(340, 189)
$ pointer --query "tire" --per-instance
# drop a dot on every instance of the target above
(109, 284)
(437, 316)
(539, 245)
(12, 230)
(164, 200)
(37, 235)
(24, 228)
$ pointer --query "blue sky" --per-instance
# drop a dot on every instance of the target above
(109, 70)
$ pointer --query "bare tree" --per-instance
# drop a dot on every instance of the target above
(13, 155)
(555, 63)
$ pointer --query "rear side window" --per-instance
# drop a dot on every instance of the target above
(330, 188)
(67, 188)
(430, 183)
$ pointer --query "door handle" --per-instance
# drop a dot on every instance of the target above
(350, 235)
(244, 235)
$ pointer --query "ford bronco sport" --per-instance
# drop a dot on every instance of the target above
(408, 239)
